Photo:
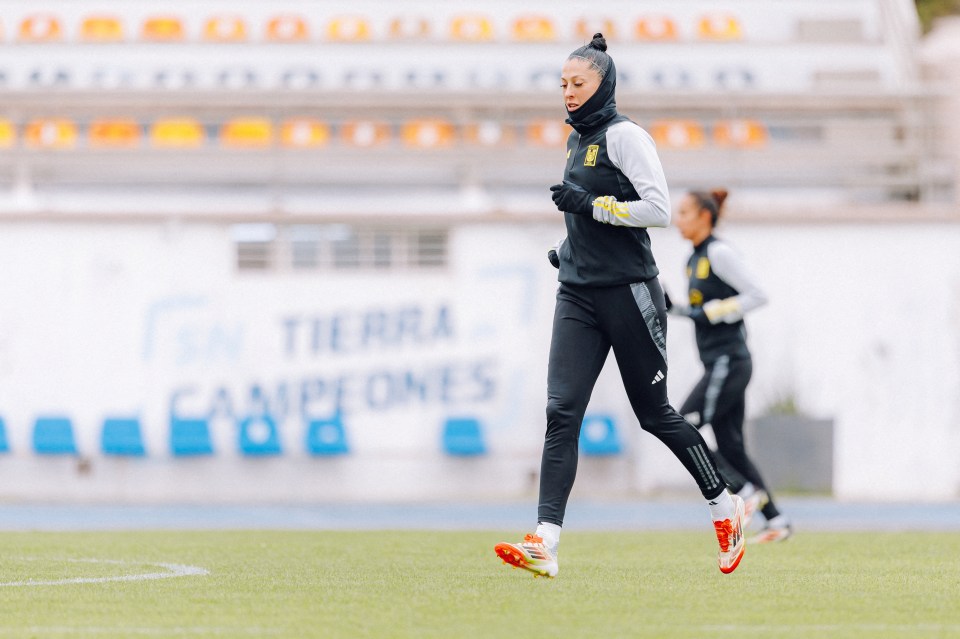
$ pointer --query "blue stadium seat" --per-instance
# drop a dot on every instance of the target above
(190, 437)
(122, 436)
(4, 444)
(599, 436)
(54, 436)
(327, 436)
(463, 436)
(259, 436)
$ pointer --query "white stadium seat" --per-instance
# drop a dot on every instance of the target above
(300, 79)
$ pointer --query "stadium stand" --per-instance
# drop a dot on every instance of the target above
(830, 81)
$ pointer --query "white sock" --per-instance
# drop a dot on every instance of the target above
(550, 533)
(721, 506)
(747, 490)
(780, 521)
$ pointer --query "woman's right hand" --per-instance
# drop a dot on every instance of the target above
(571, 198)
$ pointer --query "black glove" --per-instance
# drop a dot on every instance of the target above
(698, 316)
(554, 258)
(571, 198)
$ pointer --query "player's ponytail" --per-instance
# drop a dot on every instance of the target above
(712, 202)
(720, 196)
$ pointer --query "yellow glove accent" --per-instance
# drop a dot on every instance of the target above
(609, 204)
(727, 310)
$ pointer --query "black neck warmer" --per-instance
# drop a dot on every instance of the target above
(600, 108)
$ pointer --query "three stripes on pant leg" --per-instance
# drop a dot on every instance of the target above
(707, 473)
(700, 457)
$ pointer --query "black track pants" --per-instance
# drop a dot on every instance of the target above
(720, 399)
(587, 323)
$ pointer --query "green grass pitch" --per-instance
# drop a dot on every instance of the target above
(451, 585)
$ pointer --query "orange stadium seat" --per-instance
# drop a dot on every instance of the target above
(677, 134)
(586, 27)
(41, 28)
(349, 29)
(225, 29)
(534, 29)
(471, 28)
(428, 134)
(740, 133)
(8, 134)
(547, 133)
(409, 27)
(656, 28)
(489, 133)
(247, 133)
(101, 29)
(302, 133)
(163, 29)
(51, 134)
(719, 27)
(177, 133)
(114, 133)
(365, 133)
(288, 28)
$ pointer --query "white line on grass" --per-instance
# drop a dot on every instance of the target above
(172, 570)
(832, 627)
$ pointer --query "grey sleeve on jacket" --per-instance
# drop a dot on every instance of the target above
(632, 150)
(730, 266)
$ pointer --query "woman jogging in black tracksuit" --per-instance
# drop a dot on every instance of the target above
(609, 297)
(721, 291)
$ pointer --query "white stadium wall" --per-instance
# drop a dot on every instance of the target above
(140, 362)
(151, 322)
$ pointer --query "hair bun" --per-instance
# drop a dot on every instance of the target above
(720, 195)
(598, 42)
